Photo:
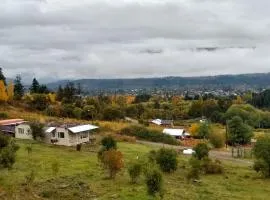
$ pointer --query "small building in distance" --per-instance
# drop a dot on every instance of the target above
(17, 128)
(69, 134)
(161, 122)
(177, 133)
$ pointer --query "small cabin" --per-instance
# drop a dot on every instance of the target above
(69, 135)
(17, 128)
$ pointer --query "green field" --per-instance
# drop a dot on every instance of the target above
(81, 177)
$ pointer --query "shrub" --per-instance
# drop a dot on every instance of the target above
(154, 181)
(135, 171)
(152, 156)
(108, 143)
(167, 160)
(262, 153)
(262, 167)
(217, 139)
(211, 167)
(4, 141)
(194, 171)
(143, 133)
(113, 161)
(37, 130)
(8, 150)
(201, 151)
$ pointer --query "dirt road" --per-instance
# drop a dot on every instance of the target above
(221, 155)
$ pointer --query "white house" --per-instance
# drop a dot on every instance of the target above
(17, 128)
(177, 133)
(23, 131)
(69, 135)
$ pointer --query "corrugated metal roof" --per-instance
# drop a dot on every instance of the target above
(11, 122)
(174, 132)
(82, 128)
(50, 129)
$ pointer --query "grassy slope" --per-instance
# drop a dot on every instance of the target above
(80, 177)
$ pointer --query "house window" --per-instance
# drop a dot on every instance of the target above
(84, 135)
(61, 135)
(21, 130)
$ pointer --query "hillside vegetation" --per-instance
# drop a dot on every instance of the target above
(81, 177)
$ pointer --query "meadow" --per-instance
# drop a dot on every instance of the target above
(81, 177)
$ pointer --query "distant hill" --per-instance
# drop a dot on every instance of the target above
(254, 81)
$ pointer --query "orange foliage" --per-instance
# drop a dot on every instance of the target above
(130, 99)
(3, 92)
(194, 129)
(10, 91)
(113, 161)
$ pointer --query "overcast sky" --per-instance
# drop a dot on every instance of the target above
(72, 39)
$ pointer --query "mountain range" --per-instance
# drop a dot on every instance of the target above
(248, 81)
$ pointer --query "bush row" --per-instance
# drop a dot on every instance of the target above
(143, 133)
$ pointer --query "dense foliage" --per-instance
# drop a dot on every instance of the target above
(239, 132)
(201, 151)
(8, 150)
(143, 133)
(262, 153)
(166, 159)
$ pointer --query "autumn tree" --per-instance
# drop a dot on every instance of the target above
(112, 160)
(18, 88)
(10, 91)
(194, 129)
(3, 92)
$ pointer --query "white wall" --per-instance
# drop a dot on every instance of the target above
(23, 131)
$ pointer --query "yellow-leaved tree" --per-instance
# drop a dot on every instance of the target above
(10, 91)
(3, 92)
(52, 97)
(194, 129)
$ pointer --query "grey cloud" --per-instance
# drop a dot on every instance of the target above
(99, 38)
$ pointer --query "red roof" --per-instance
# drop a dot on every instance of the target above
(11, 122)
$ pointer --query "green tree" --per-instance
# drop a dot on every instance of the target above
(35, 86)
(239, 132)
(8, 150)
(154, 181)
(18, 88)
(89, 112)
(201, 151)
(204, 130)
(167, 160)
(37, 130)
(262, 153)
(112, 113)
(108, 143)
